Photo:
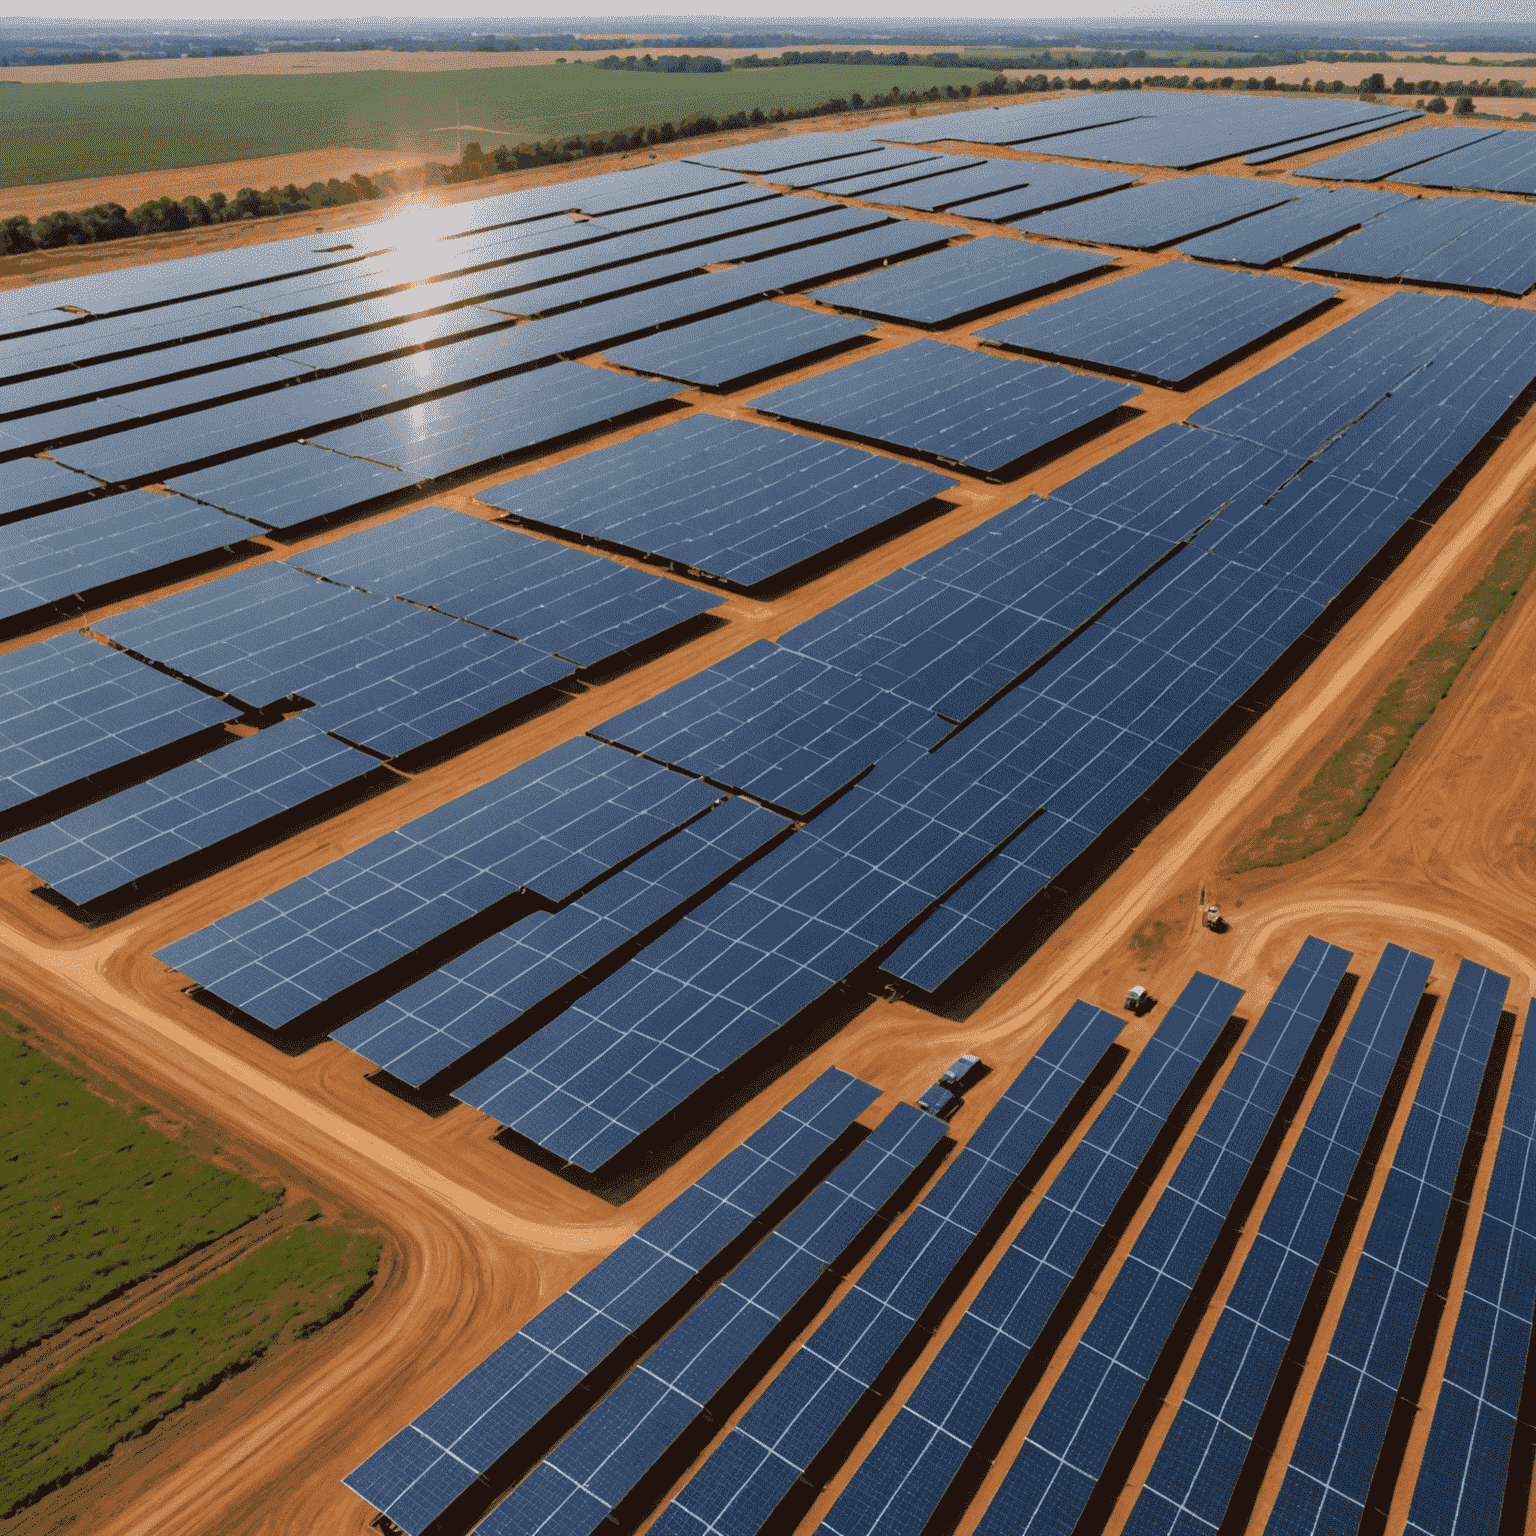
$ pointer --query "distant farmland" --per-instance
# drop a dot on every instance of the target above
(65, 132)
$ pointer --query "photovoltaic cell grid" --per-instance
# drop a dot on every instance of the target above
(953, 629)
(1284, 232)
(380, 673)
(1461, 242)
(1193, 1478)
(786, 153)
(29, 486)
(1166, 323)
(906, 1473)
(1502, 162)
(1321, 140)
(138, 833)
(1375, 162)
(591, 1472)
(741, 1483)
(727, 977)
(1462, 1474)
(983, 413)
(1049, 186)
(737, 500)
(430, 1027)
(1096, 1391)
(549, 828)
(857, 181)
(415, 1476)
(935, 193)
(1342, 1435)
(80, 554)
(72, 709)
(961, 280)
(719, 352)
(881, 157)
(1162, 212)
(566, 602)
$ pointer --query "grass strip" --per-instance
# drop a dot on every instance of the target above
(124, 1387)
(1331, 804)
(92, 1200)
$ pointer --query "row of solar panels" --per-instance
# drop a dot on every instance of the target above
(587, 1415)
(953, 737)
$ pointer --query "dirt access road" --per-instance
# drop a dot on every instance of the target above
(1442, 861)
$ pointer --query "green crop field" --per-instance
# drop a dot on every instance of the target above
(124, 1387)
(91, 1199)
(65, 132)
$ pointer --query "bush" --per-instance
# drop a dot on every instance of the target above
(1464, 106)
(1437, 104)
(158, 217)
(61, 228)
(16, 236)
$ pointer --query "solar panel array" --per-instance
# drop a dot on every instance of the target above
(1461, 1480)
(1376, 162)
(1500, 162)
(1049, 186)
(1196, 1470)
(1102, 1382)
(598, 1468)
(741, 1485)
(1161, 212)
(1287, 231)
(906, 1473)
(610, 1316)
(1165, 323)
(1345, 1427)
(1289, 147)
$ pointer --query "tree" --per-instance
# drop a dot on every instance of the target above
(196, 211)
(1376, 82)
(16, 236)
(157, 217)
(1463, 106)
(1436, 104)
(60, 228)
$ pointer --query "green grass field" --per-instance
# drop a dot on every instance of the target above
(65, 132)
(125, 1386)
(91, 1199)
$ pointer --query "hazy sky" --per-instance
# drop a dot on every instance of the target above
(1408, 13)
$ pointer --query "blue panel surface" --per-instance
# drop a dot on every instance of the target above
(738, 500)
(935, 193)
(30, 486)
(730, 347)
(380, 673)
(980, 412)
(1088, 1408)
(1196, 1470)
(961, 280)
(738, 1487)
(1166, 323)
(1284, 232)
(884, 174)
(785, 153)
(1049, 186)
(550, 827)
(135, 834)
(1342, 1436)
(601, 1461)
(1162, 212)
(906, 1474)
(1503, 162)
(1335, 136)
(871, 162)
(71, 708)
(1375, 162)
(416, 1475)
(567, 602)
(428, 1028)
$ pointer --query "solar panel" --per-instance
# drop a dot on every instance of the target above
(1342, 1435)
(738, 1487)
(1192, 1479)
(865, 180)
(296, 484)
(72, 709)
(1021, 123)
(131, 839)
(961, 280)
(906, 1474)
(1286, 231)
(30, 486)
(379, 673)
(783, 154)
(1049, 186)
(870, 162)
(78, 556)
(724, 979)
(606, 1319)
(721, 352)
(1336, 136)
(935, 193)
(1098, 1388)
(600, 1464)
(1462, 1475)
(434, 1025)
(1503, 162)
(1161, 212)
(736, 500)
(572, 604)
(1164, 323)
(1375, 162)
(962, 407)
(550, 828)
(953, 629)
